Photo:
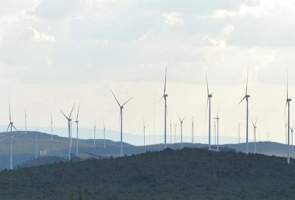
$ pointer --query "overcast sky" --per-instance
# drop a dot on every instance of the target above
(54, 53)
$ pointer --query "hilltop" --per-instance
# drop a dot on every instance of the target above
(174, 175)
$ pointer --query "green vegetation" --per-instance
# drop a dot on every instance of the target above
(172, 175)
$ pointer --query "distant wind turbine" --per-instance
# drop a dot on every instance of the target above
(246, 98)
(239, 133)
(165, 96)
(288, 104)
(193, 130)
(255, 132)
(51, 127)
(11, 127)
(171, 133)
(175, 133)
(217, 131)
(181, 120)
(209, 98)
(77, 130)
(94, 135)
(26, 122)
(121, 106)
(69, 122)
(144, 136)
(104, 136)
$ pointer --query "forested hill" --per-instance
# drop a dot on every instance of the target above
(172, 175)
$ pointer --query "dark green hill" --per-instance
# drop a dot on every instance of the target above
(184, 174)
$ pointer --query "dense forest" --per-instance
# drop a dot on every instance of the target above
(170, 174)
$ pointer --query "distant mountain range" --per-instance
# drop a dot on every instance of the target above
(57, 147)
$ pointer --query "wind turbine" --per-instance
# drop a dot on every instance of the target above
(239, 133)
(255, 131)
(26, 122)
(51, 127)
(165, 96)
(94, 135)
(77, 130)
(104, 136)
(288, 104)
(246, 98)
(193, 130)
(181, 120)
(11, 127)
(171, 133)
(69, 120)
(217, 131)
(209, 98)
(144, 142)
(175, 133)
(121, 106)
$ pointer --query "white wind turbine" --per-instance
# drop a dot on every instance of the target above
(217, 131)
(255, 135)
(94, 135)
(181, 120)
(246, 98)
(10, 128)
(26, 122)
(193, 130)
(288, 104)
(165, 96)
(144, 136)
(69, 123)
(121, 106)
(51, 127)
(77, 130)
(209, 98)
(104, 136)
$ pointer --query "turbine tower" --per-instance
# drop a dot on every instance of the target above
(288, 104)
(77, 131)
(26, 122)
(217, 131)
(209, 98)
(255, 134)
(193, 130)
(69, 123)
(181, 120)
(94, 135)
(10, 128)
(51, 127)
(144, 138)
(171, 133)
(165, 96)
(121, 106)
(104, 136)
(246, 98)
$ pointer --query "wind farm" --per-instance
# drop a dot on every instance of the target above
(145, 100)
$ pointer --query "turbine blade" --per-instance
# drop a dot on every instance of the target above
(127, 101)
(10, 117)
(165, 82)
(14, 127)
(242, 99)
(208, 90)
(116, 99)
(247, 81)
(64, 114)
(8, 127)
(72, 110)
(78, 113)
(287, 85)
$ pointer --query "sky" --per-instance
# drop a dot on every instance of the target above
(54, 53)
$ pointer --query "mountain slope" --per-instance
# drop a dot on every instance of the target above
(174, 175)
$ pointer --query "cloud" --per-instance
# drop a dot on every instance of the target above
(172, 19)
